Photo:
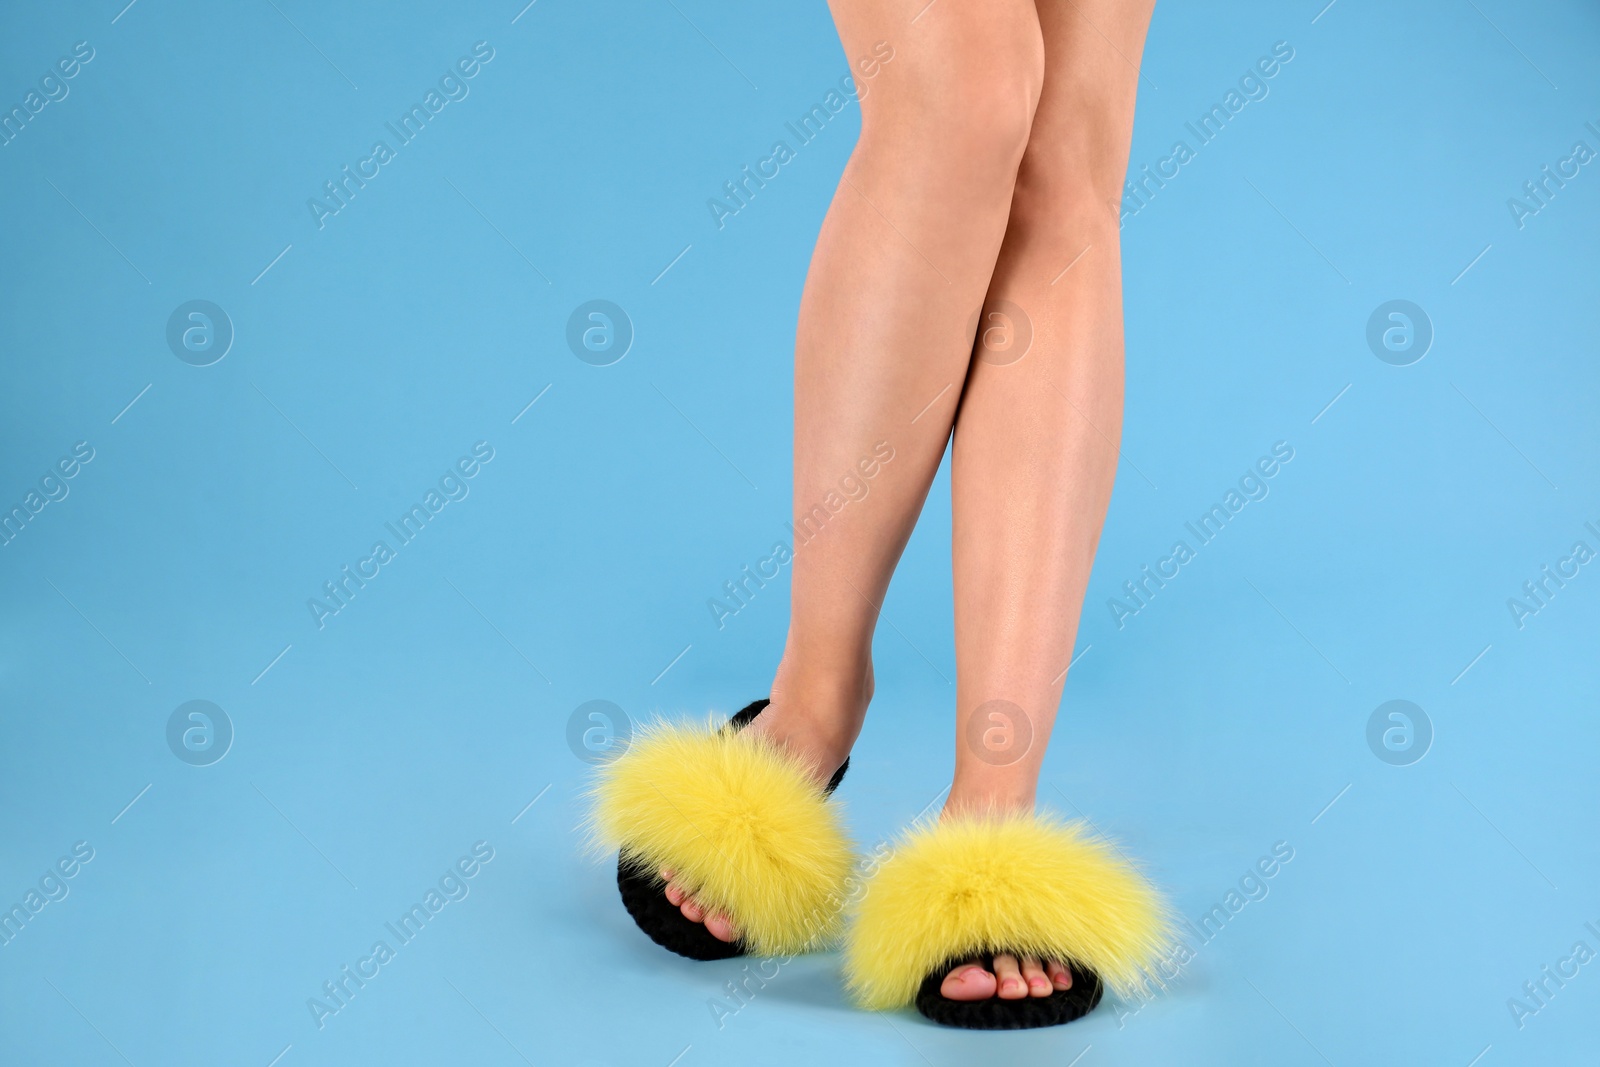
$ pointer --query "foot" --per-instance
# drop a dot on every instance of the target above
(821, 735)
(716, 925)
(1011, 979)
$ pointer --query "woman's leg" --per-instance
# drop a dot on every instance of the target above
(1036, 441)
(903, 261)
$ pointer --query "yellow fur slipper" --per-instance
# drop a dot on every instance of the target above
(1025, 885)
(740, 823)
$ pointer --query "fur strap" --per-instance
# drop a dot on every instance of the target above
(1028, 885)
(740, 823)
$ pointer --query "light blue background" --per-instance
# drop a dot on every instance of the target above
(427, 714)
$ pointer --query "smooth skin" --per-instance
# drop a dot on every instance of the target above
(993, 150)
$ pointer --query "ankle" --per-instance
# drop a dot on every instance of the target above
(821, 710)
(826, 719)
(981, 799)
(834, 688)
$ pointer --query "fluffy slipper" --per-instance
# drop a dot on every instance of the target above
(736, 818)
(967, 889)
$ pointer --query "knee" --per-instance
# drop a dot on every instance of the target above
(1066, 198)
(1072, 175)
(993, 121)
(963, 109)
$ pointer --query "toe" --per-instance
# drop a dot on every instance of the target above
(720, 928)
(693, 911)
(1009, 975)
(676, 894)
(1060, 977)
(1033, 974)
(968, 982)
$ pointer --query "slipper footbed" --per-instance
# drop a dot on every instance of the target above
(1061, 1006)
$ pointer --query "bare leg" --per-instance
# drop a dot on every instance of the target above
(903, 261)
(1036, 441)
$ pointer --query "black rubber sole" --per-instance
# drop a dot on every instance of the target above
(643, 891)
(1061, 1006)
